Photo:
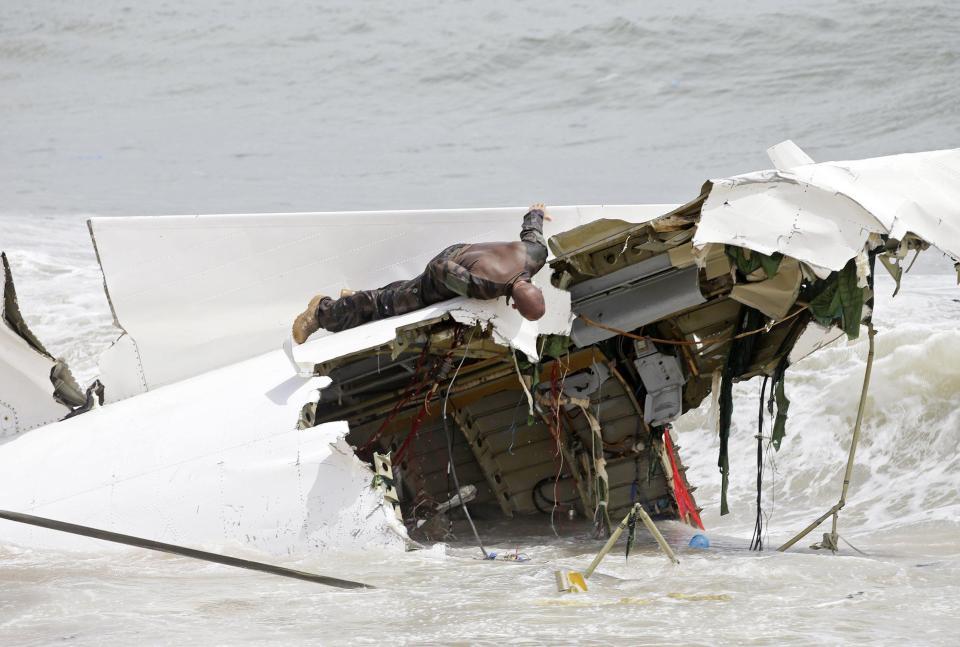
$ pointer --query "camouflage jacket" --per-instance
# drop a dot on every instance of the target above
(489, 270)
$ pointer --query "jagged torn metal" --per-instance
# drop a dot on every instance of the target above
(508, 327)
(35, 388)
(822, 214)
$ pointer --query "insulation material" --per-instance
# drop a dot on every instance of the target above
(775, 296)
(713, 259)
(822, 214)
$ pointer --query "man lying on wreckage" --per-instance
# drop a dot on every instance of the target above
(649, 311)
(479, 271)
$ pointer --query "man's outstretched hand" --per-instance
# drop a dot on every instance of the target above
(542, 208)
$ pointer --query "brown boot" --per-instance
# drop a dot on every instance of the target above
(306, 322)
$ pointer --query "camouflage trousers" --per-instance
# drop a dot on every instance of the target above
(442, 279)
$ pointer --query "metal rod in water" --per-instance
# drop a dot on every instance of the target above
(607, 547)
(848, 473)
(652, 527)
(806, 531)
(648, 522)
(183, 551)
(856, 433)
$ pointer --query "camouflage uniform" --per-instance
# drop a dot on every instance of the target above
(444, 278)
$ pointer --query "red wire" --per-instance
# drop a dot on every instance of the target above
(415, 381)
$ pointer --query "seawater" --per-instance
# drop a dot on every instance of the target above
(116, 108)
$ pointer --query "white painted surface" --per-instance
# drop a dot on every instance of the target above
(200, 292)
(813, 338)
(26, 396)
(509, 328)
(787, 155)
(823, 213)
(210, 461)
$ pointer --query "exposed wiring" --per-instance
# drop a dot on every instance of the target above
(447, 435)
(556, 389)
(414, 387)
(756, 542)
(523, 384)
(771, 466)
(513, 426)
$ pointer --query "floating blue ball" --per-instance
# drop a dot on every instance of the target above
(699, 541)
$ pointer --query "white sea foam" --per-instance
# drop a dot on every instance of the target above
(907, 462)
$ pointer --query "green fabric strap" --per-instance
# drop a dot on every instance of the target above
(723, 461)
(841, 299)
(780, 422)
(748, 260)
(554, 346)
(738, 362)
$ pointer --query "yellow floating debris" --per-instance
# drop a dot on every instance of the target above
(586, 602)
(701, 597)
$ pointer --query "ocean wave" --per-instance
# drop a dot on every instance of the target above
(907, 463)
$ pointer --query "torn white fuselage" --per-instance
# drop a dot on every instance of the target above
(823, 214)
(214, 460)
(200, 444)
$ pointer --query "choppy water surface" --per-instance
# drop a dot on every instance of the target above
(113, 108)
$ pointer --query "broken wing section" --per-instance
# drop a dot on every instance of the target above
(36, 388)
